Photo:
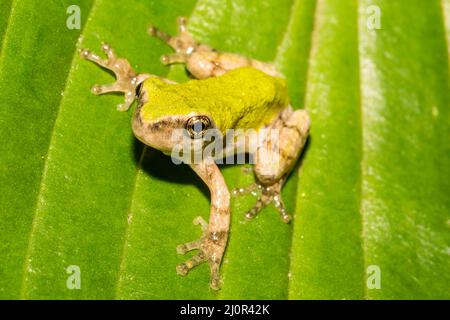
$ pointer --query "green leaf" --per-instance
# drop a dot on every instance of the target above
(374, 185)
(372, 189)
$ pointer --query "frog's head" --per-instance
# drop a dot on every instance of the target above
(163, 122)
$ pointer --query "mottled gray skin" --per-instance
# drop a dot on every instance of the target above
(204, 62)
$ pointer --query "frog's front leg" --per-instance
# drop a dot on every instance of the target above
(212, 244)
(201, 60)
(275, 157)
(127, 79)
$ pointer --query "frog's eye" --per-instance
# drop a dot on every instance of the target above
(197, 125)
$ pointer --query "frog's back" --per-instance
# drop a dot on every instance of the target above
(242, 98)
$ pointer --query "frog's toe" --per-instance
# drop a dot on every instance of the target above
(154, 31)
(201, 257)
(167, 59)
(182, 22)
(253, 189)
(279, 205)
(183, 43)
(204, 255)
(157, 33)
(109, 51)
(183, 268)
(186, 247)
(265, 195)
(104, 88)
(106, 63)
(260, 204)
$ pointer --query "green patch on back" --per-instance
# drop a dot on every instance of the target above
(242, 98)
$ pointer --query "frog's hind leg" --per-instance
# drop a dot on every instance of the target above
(183, 43)
(201, 60)
(127, 79)
(275, 158)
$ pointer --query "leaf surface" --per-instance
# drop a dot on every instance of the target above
(372, 189)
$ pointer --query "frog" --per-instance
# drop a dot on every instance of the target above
(226, 91)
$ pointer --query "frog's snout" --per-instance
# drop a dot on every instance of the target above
(164, 133)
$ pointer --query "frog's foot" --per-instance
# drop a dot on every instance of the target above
(265, 195)
(209, 251)
(183, 43)
(127, 79)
